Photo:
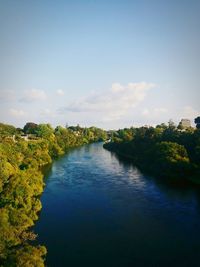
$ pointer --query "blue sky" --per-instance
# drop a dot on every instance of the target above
(106, 63)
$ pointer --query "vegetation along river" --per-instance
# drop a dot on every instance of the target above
(101, 211)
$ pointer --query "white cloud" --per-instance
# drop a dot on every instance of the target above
(33, 95)
(17, 113)
(114, 103)
(162, 114)
(46, 111)
(154, 112)
(190, 113)
(60, 92)
(160, 110)
(146, 112)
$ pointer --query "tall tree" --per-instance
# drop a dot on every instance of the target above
(30, 128)
(197, 122)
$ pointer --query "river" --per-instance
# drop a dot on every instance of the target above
(100, 211)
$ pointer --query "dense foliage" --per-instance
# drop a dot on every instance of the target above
(197, 121)
(21, 183)
(164, 151)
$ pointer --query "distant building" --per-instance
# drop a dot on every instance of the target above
(24, 136)
(184, 124)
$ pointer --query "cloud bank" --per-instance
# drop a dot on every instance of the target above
(33, 95)
(113, 103)
(60, 92)
(17, 113)
(190, 112)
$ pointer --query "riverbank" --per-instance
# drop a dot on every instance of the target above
(166, 153)
(21, 185)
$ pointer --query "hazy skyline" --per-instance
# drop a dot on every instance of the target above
(111, 64)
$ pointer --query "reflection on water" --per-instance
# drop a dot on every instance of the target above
(101, 211)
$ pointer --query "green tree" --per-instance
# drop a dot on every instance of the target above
(44, 130)
(197, 122)
(30, 128)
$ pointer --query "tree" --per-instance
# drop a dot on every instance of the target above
(44, 130)
(30, 128)
(180, 126)
(171, 124)
(162, 126)
(6, 130)
(197, 122)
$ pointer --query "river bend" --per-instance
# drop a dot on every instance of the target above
(100, 211)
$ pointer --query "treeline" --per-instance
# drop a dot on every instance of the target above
(23, 153)
(164, 151)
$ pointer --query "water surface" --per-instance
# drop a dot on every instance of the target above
(100, 211)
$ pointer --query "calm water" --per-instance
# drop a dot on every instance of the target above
(99, 211)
